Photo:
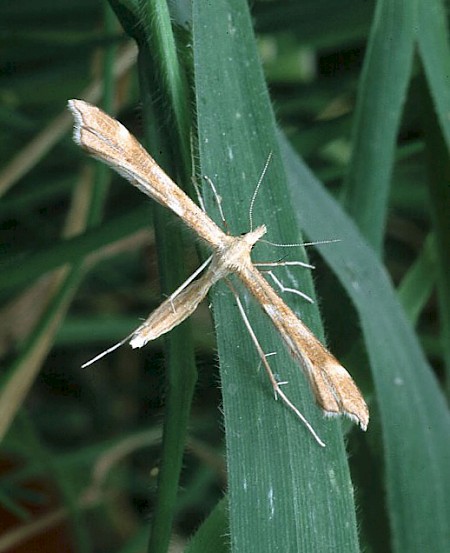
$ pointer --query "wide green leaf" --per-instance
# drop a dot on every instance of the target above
(413, 414)
(285, 492)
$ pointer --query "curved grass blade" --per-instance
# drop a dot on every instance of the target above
(414, 417)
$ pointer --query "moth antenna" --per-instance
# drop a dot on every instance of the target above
(301, 244)
(252, 202)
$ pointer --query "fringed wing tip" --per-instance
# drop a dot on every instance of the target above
(74, 108)
(362, 419)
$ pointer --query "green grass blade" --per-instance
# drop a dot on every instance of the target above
(382, 92)
(165, 100)
(285, 492)
(160, 41)
(433, 39)
(414, 417)
(439, 174)
(417, 285)
(315, 22)
(433, 43)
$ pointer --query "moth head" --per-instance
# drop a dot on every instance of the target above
(253, 236)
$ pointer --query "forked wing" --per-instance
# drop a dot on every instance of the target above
(173, 311)
(168, 315)
(333, 387)
(108, 140)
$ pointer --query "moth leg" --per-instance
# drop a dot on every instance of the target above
(284, 288)
(278, 282)
(284, 264)
(275, 384)
(188, 281)
(217, 199)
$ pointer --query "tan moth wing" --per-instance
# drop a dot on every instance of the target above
(108, 140)
(333, 387)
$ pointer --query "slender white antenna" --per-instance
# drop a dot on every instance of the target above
(299, 244)
(264, 171)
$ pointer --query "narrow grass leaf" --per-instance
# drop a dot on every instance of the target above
(381, 95)
(433, 43)
(417, 285)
